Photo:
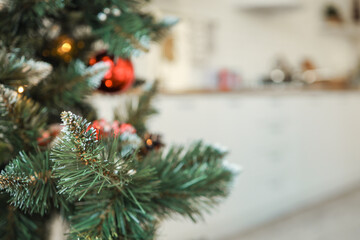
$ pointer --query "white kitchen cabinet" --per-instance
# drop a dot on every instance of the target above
(295, 149)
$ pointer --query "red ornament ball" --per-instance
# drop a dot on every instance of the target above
(47, 136)
(120, 75)
(105, 129)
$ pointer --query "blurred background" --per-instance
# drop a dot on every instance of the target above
(277, 83)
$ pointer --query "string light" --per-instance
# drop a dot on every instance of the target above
(21, 89)
(66, 47)
(149, 142)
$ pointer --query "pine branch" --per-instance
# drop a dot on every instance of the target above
(84, 164)
(75, 155)
(137, 113)
(15, 182)
(17, 71)
(191, 181)
(129, 32)
(28, 180)
(95, 171)
(21, 119)
(6, 151)
(108, 217)
(160, 29)
(23, 18)
(112, 191)
(118, 215)
(125, 33)
(68, 86)
(12, 70)
(15, 225)
(186, 182)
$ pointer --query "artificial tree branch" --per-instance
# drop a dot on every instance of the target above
(21, 121)
(29, 181)
(139, 111)
(192, 180)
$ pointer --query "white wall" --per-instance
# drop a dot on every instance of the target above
(250, 41)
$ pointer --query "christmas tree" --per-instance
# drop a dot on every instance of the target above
(107, 180)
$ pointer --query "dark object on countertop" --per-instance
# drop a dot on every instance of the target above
(332, 14)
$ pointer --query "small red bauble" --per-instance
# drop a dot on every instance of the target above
(49, 135)
(120, 128)
(120, 75)
(125, 127)
(106, 129)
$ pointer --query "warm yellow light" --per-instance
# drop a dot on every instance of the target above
(66, 47)
(21, 89)
(149, 142)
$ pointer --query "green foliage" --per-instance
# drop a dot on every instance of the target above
(94, 171)
(159, 30)
(104, 187)
(108, 217)
(17, 71)
(15, 225)
(68, 86)
(6, 153)
(12, 69)
(21, 120)
(191, 180)
(29, 182)
(138, 112)
(82, 163)
(127, 31)
(75, 157)
(116, 196)
(21, 21)
(123, 197)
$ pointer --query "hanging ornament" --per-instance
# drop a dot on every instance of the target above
(49, 135)
(105, 129)
(120, 75)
